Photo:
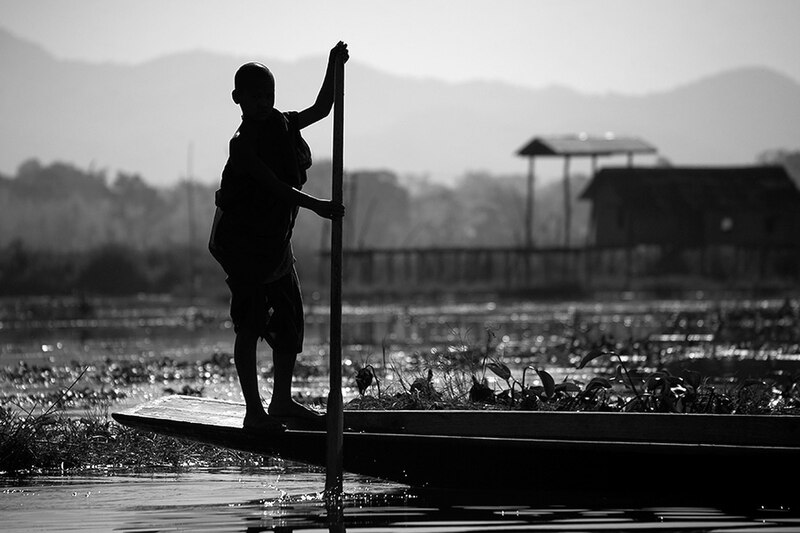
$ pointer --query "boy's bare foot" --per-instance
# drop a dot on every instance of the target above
(292, 409)
(262, 422)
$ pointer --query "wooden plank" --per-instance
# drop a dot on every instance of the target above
(765, 430)
(753, 430)
(203, 412)
(190, 409)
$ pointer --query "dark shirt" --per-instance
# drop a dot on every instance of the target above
(251, 235)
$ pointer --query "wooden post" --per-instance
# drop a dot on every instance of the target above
(567, 204)
(389, 260)
(529, 199)
(190, 211)
(334, 475)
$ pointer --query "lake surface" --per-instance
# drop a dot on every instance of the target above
(54, 339)
(287, 498)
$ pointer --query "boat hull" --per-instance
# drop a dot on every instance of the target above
(443, 450)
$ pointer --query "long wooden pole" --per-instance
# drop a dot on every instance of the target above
(333, 478)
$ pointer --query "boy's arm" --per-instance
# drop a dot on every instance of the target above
(266, 178)
(322, 106)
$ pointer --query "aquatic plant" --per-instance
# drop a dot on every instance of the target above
(365, 376)
(689, 392)
(656, 391)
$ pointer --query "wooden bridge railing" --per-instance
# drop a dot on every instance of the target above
(454, 269)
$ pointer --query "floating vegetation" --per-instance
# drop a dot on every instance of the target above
(659, 392)
(451, 379)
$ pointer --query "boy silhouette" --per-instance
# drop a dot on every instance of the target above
(257, 203)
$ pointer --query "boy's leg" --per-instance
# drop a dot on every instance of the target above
(285, 331)
(248, 313)
(244, 357)
(282, 403)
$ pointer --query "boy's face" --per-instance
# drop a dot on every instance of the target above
(257, 100)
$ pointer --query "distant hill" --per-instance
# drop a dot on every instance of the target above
(142, 118)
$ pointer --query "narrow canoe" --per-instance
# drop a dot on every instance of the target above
(512, 449)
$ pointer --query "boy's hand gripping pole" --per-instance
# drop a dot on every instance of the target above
(335, 415)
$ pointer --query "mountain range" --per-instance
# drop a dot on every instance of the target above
(173, 116)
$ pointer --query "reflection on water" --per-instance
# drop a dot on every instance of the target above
(288, 498)
(52, 324)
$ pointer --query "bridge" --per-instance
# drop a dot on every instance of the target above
(564, 271)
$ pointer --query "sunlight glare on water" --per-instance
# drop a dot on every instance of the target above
(290, 498)
(212, 500)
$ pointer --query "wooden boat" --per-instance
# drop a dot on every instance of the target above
(514, 450)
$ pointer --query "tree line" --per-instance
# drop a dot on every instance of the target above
(65, 229)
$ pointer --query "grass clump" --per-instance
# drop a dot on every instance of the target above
(57, 443)
(51, 441)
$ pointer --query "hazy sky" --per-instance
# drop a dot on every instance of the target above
(625, 46)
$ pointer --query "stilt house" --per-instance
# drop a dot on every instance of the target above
(694, 206)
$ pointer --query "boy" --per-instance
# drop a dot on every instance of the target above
(257, 203)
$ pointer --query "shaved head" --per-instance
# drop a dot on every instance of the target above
(252, 75)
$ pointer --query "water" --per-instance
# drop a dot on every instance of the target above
(288, 498)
